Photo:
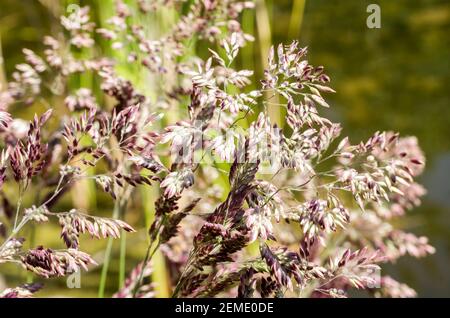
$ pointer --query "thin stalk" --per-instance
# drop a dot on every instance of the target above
(161, 24)
(19, 204)
(122, 259)
(159, 273)
(107, 257)
(248, 25)
(123, 244)
(331, 246)
(14, 232)
(30, 275)
(148, 257)
(184, 274)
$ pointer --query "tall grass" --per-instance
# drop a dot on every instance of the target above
(295, 22)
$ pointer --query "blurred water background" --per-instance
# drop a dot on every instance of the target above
(393, 78)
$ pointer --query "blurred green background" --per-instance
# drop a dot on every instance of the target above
(393, 78)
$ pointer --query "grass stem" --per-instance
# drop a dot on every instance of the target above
(295, 23)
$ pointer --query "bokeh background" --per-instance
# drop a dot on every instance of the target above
(393, 78)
